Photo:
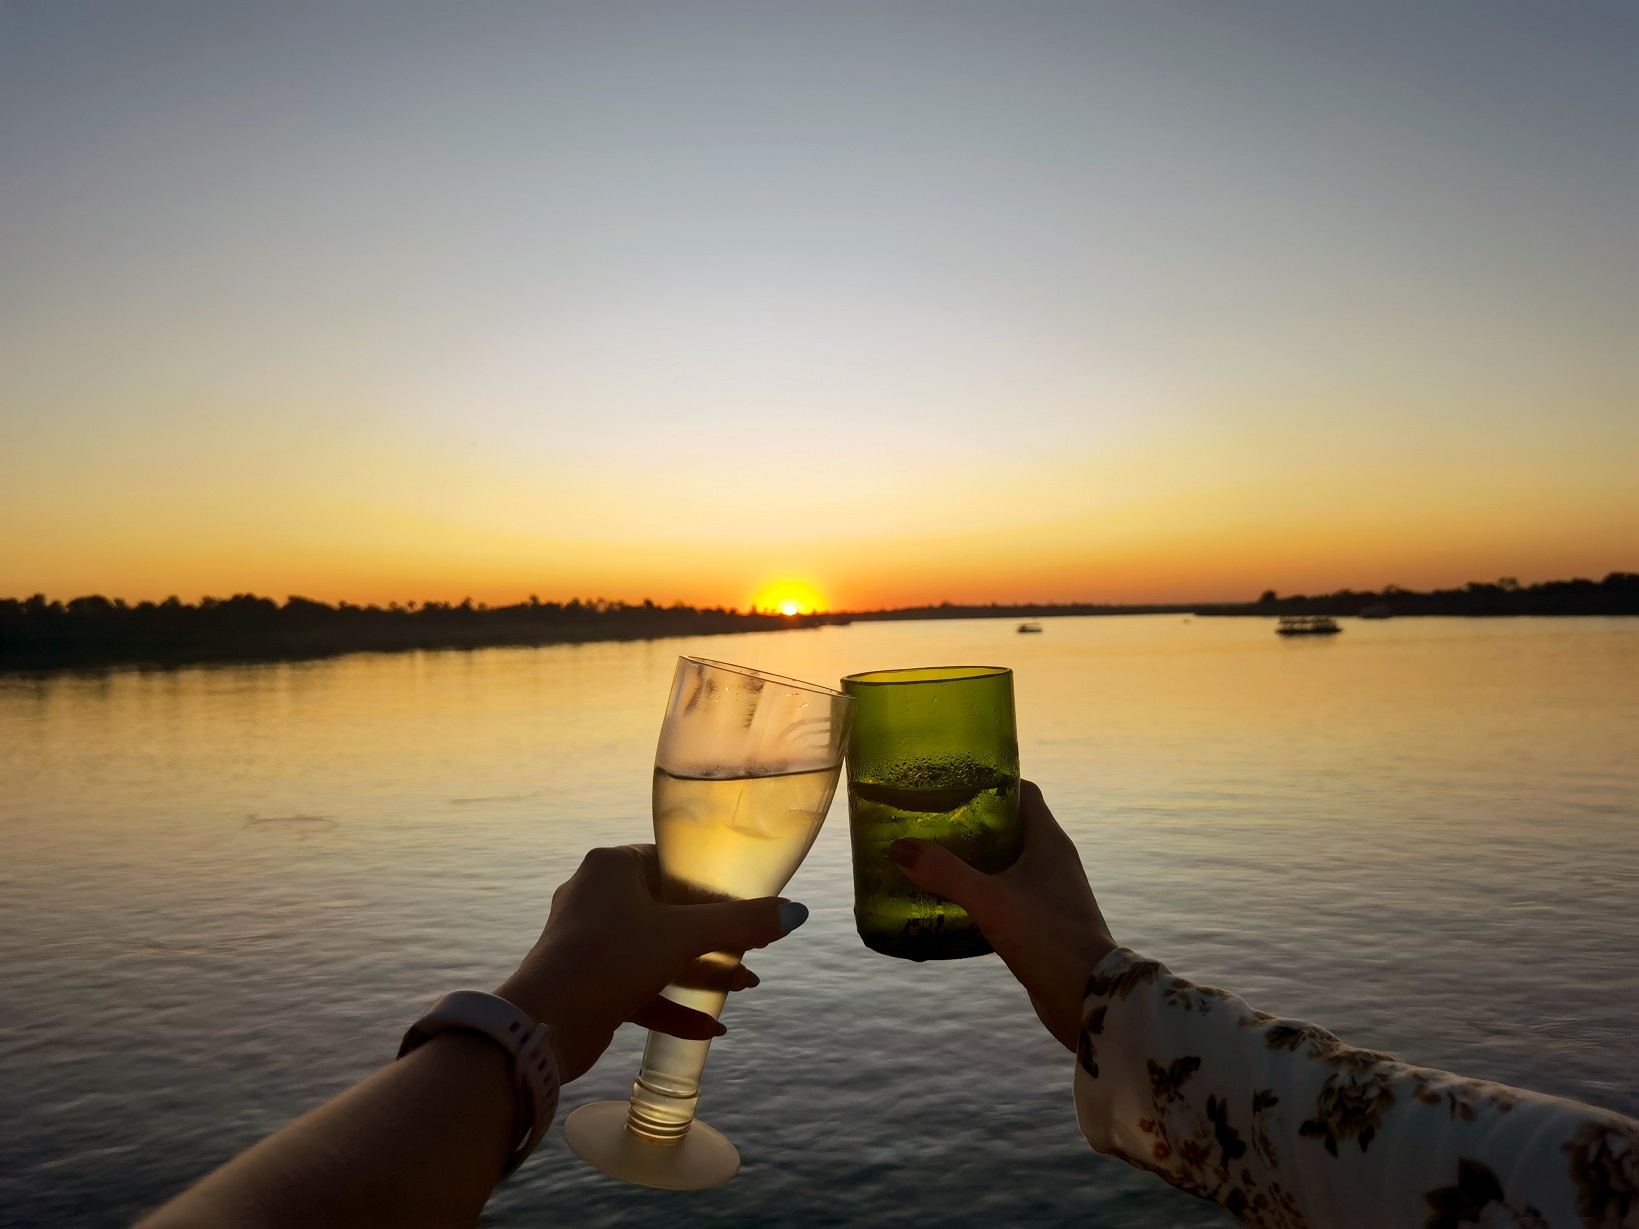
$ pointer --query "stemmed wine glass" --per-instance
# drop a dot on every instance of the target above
(744, 774)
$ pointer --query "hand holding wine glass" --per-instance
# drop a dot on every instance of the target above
(744, 773)
(611, 945)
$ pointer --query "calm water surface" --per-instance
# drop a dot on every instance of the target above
(225, 891)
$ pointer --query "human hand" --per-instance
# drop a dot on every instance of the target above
(610, 946)
(1039, 914)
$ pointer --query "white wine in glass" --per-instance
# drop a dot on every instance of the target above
(744, 775)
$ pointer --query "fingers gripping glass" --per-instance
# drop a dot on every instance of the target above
(743, 777)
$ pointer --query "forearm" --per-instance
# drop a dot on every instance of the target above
(420, 1142)
(1283, 1124)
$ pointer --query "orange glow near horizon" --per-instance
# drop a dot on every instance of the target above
(1231, 551)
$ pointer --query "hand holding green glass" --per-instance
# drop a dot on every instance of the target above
(934, 754)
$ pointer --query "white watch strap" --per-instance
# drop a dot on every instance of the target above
(534, 1067)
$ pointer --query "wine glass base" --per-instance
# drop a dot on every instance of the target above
(597, 1133)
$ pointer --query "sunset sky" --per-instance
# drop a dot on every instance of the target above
(902, 301)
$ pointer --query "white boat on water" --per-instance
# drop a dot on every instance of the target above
(1307, 625)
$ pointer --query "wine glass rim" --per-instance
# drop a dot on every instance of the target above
(766, 676)
(924, 674)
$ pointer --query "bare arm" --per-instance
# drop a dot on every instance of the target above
(420, 1142)
(423, 1140)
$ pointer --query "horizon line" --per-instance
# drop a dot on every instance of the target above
(602, 604)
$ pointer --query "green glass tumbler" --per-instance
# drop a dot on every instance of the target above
(934, 754)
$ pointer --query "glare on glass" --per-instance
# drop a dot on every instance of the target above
(743, 777)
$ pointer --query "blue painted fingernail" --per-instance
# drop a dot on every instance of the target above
(792, 915)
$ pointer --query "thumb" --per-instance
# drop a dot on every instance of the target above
(732, 925)
(933, 868)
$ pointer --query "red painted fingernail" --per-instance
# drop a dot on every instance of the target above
(905, 853)
(721, 1029)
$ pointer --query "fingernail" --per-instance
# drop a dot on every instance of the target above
(905, 853)
(792, 915)
(721, 1029)
(753, 981)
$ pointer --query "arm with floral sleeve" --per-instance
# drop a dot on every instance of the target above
(1286, 1126)
(1276, 1120)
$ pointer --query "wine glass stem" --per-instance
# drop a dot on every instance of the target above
(667, 1088)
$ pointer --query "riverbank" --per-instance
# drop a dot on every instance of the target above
(95, 631)
(1616, 594)
(36, 634)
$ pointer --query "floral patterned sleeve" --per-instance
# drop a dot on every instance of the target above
(1287, 1127)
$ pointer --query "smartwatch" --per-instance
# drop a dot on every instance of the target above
(534, 1066)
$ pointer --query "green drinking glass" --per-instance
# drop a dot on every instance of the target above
(934, 754)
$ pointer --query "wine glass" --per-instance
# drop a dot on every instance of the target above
(744, 774)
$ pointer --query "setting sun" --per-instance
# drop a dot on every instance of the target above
(788, 597)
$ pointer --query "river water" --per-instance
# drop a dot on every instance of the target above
(224, 891)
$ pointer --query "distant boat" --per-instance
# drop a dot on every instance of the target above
(1307, 625)
(1379, 611)
(1027, 629)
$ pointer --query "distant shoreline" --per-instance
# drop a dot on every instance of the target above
(94, 632)
(1617, 594)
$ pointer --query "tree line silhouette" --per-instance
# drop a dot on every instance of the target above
(92, 630)
(1617, 594)
(95, 630)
